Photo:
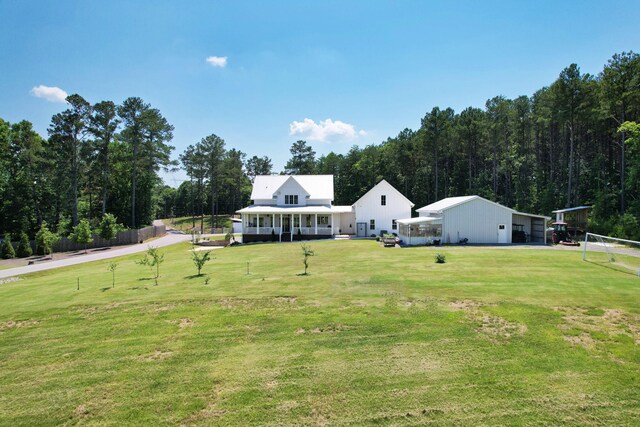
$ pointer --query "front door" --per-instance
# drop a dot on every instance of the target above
(362, 229)
(286, 224)
(502, 233)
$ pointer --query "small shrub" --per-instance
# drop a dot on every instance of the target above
(7, 248)
(440, 258)
(377, 238)
(200, 259)
(24, 247)
(306, 253)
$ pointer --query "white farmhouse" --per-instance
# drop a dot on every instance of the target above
(294, 207)
(378, 210)
(473, 218)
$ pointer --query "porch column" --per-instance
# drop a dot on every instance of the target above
(316, 223)
(291, 227)
(258, 223)
(280, 227)
(333, 229)
(300, 221)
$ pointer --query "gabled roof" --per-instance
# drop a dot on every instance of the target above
(384, 183)
(316, 186)
(449, 202)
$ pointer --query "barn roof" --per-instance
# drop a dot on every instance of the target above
(316, 186)
(447, 203)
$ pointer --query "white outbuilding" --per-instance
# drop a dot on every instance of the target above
(379, 209)
(473, 218)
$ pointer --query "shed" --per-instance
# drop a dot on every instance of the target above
(482, 221)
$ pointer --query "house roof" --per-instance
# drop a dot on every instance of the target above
(316, 186)
(385, 183)
(277, 210)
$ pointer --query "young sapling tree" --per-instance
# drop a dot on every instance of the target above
(306, 253)
(112, 268)
(152, 259)
(7, 248)
(200, 258)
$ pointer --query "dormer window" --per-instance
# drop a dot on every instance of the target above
(291, 199)
(383, 200)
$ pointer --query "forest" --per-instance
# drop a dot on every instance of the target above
(573, 142)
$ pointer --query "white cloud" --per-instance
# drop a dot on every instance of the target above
(325, 130)
(51, 94)
(217, 61)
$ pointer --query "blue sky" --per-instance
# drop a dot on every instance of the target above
(358, 71)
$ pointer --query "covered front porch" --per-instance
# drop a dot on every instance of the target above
(288, 224)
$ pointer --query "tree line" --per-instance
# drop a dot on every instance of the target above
(573, 142)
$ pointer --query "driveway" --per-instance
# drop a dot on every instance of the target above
(171, 238)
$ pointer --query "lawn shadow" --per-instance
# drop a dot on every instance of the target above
(145, 278)
(303, 274)
(193, 276)
(105, 289)
(138, 288)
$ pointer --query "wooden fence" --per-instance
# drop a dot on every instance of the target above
(128, 237)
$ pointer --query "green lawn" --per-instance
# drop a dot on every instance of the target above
(372, 336)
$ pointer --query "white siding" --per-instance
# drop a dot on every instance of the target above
(476, 220)
(291, 187)
(345, 223)
(369, 207)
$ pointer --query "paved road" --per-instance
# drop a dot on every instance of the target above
(171, 238)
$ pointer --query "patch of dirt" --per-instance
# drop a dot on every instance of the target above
(271, 302)
(271, 385)
(331, 328)
(81, 411)
(494, 327)
(610, 323)
(182, 323)
(207, 413)
(10, 280)
(288, 405)
(163, 308)
(15, 324)
(499, 328)
(584, 340)
(156, 355)
(300, 331)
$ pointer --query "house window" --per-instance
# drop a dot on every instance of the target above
(323, 220)
(291, 199)
(394, 224)
(383, 200)
(308, 221)
(372, 224)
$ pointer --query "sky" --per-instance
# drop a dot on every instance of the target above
(263, 74)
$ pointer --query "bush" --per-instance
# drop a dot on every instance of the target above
(24, 247)
(7, 251)
(377, 237)
(440, 258)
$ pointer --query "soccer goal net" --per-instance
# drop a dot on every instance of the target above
(620, 254)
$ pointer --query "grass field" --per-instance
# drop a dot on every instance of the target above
(372, 336)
